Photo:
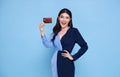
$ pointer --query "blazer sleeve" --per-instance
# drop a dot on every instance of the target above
(47, 42)
(81, 42)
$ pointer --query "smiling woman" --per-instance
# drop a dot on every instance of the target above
(21, 50)
(64, 20)
(64, 38)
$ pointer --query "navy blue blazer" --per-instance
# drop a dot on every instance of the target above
(71, 38)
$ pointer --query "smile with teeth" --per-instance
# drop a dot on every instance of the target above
(63, 23)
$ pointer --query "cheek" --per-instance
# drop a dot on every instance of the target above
(68, 21)
(59, 19)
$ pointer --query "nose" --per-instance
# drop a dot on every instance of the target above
(64, 19)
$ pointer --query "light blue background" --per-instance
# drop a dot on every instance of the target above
(22, 53)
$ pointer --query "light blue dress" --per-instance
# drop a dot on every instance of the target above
(57, 44)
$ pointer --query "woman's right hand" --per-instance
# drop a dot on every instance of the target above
(42, 28)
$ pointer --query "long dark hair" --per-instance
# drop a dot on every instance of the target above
(57, 26)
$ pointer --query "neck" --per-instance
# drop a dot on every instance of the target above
(65, 28)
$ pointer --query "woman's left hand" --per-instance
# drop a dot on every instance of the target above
(66, 54)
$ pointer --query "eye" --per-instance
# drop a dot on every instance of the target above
(67, 17)
(61, 16)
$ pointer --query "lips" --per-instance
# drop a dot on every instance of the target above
(63, 23)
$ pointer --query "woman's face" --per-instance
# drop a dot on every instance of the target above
(64, 20)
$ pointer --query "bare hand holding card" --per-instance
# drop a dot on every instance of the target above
(47, 20)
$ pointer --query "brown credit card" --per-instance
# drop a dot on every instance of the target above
(47, 20)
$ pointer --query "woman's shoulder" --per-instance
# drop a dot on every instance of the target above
(74, 29)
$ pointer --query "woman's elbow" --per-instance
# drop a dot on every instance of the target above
(85, 46)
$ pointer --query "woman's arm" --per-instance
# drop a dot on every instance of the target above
(47, 43)
(81, 42)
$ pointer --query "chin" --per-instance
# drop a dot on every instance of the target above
(63, 26)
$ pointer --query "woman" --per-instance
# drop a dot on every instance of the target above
(64, 38)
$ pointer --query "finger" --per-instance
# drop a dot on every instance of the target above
(42, 24)
(64, 54)
(66, 51)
